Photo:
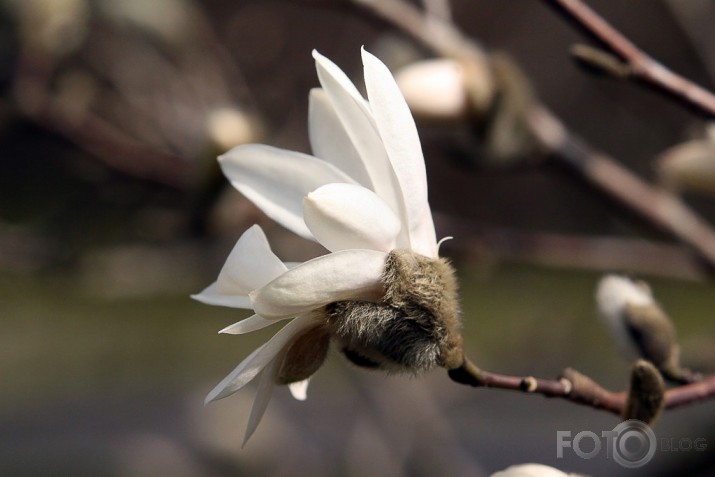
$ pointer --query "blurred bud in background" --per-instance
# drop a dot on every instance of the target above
(639, 325)
(690, 166)
(435, 89)
(230, 126)
(489, 95)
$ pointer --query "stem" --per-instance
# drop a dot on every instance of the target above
(690, 393)
(578, 388)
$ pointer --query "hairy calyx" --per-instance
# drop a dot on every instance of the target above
(414, 327)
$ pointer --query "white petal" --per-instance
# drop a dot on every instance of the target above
(252, 323)
(399, 136)
(211, 296)
(330, 141)
(276, 180)
(250, 265)
(266, 383)
(343, 216)
(299, 389)
(357, 120)
(256, 361)
(343, 275)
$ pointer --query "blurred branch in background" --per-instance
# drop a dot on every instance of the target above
(637, 63)
(695, 17)
(492, 84)
(148, 93)
(144, 86)
(639, 256)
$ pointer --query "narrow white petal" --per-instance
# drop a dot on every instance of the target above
(343, 275)
(344, 216)
(266, 383)
(250, 265)
(276, 180)
(299, 389)
(358, 123)
(256, 361)
(330, 141)
(399, 136)
(252, 323)
(211, 296)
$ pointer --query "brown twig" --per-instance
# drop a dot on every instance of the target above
(640, 65)
(578, 388)
(572, 386)
(690, 393)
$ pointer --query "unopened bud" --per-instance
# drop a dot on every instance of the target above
(646, 395)
(689, 166)
(435, 89)
(639, 324)
(229, 127)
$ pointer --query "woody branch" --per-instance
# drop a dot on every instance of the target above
(580, 389)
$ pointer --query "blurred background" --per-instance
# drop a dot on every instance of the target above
(113, 211)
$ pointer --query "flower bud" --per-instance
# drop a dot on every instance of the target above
(689, 166)
(646, 395)
(228, 127)
(435, 89)
(639, 324)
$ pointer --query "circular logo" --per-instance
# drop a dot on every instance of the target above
(634, 443)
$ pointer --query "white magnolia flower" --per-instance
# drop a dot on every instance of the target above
(381, 295)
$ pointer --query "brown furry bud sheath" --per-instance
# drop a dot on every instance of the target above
(413, 328)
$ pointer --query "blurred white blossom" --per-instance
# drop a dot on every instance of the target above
(531, 470)
(639, 325)
(435, 89)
